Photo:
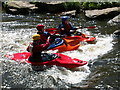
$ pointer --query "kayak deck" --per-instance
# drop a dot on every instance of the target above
(61, 60)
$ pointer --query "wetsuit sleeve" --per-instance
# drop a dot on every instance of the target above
(47, 34)
(41, 47)
(46, 44)
(60, 26)
(28, 48)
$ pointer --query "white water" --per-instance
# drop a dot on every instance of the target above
(92, 51)
(21, 74)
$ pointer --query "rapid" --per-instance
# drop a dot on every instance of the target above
(102, 57)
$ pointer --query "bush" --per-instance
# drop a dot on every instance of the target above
(99, 5)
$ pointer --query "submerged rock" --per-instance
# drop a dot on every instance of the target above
(117, 32)
(114, 21)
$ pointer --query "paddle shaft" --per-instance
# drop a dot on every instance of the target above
(51, 29)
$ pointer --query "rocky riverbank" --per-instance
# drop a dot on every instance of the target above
(92, 10)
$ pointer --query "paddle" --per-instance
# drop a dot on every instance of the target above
(56, 43)
(51, 29)
(54, 30)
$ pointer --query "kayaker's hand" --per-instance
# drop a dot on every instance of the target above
(57, 35)
(78, 27)
(72, 31)
(62, 28)
(48, 38)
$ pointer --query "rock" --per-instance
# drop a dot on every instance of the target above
(104, 13)
(69, 13)
(50, 7)
(114, 21)
(20, 7)
(24, 7)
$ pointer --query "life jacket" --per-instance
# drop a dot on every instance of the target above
(32, 45)
(43, 36)
(35, 56)
(67, 27)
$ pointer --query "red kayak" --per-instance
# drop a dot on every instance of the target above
(86, 38)
(58, 60)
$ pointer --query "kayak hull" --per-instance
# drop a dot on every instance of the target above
(61, 60)
(68, 45)
(72, 43)
(79, 37)
(82, 39)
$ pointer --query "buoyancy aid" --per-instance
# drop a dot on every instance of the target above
(35, 49)
(44, 36)
(67, 27)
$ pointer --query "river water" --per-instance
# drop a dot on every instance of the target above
(101, 72)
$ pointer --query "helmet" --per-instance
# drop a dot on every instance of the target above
(64, 18)
(36, 37)
(40, 26)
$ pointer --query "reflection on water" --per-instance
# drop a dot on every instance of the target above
(102, 57)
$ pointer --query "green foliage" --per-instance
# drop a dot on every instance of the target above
(88, 5)
(64, 5)
(85, 5)
(98, 5)
(72, 5)
(92, 5)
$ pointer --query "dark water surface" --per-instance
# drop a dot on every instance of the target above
(103, 58)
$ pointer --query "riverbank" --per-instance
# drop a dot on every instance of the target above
(25, 7)
(91, 10)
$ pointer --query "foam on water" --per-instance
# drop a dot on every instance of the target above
(92, 51)
(86, 52)
(15, 42)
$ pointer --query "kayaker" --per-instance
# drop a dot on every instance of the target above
(36, 47)
(43, 34)
(66, 27)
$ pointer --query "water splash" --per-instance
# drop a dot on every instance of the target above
(89, 52)
(20, 75)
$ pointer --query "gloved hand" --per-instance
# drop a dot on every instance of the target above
(48, 37)
(59, 36)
